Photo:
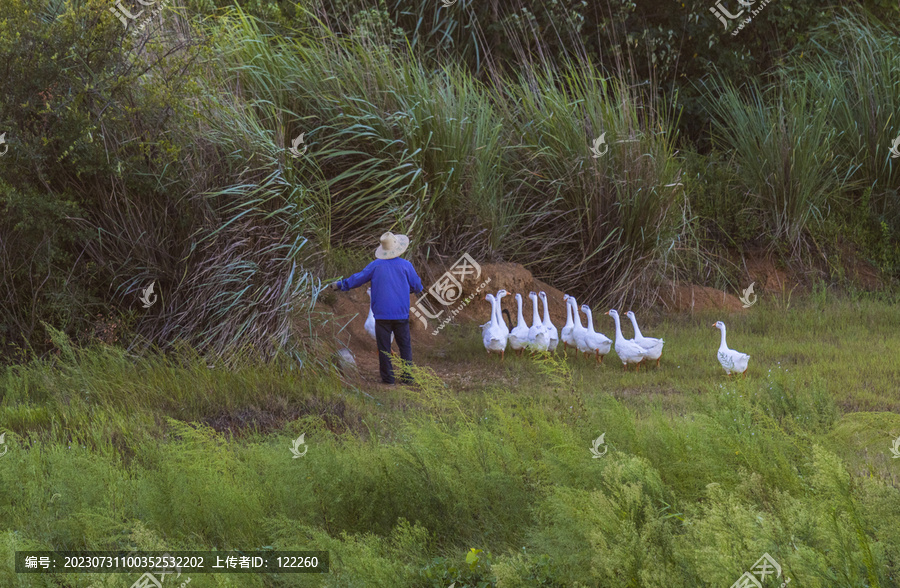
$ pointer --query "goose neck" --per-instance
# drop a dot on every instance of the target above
(590, 319)
(618, 326)
(520, 318)
(535, 316)
(637, 330)
(723, 346)
(575, 313)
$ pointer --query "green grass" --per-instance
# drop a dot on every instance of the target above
(702, 476)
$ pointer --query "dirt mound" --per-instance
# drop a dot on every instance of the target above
(768, 277)
(691, 298)
(772, 279)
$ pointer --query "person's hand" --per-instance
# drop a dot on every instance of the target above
(334, 286)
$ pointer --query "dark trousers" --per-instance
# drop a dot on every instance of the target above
(383, 330)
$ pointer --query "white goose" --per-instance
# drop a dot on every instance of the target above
(579, 332)
(627, 350)
(500, 322)
(652, 345)
(370, 321)
(597, 343)
(492, 334)
(565, 334)
(549, 327)
(537, 336)
(731, 360)
(518, 337)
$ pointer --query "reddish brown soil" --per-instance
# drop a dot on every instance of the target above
(691, 298)
(772, 279)
(768, 277)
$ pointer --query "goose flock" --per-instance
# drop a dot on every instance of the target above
(543, 335)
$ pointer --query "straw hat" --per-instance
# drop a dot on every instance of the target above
(391, 246)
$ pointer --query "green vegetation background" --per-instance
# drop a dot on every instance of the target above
(160, 154)
(162, 157)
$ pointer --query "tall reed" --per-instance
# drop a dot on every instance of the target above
(497, 169)
(783, 152)
(855, 77)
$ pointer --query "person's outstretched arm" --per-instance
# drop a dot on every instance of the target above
(415, 284)
(357, 279)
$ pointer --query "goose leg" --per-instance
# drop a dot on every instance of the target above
(625, 367)
(657, 361)
(598, 357)
(501, 354)
(637, 367)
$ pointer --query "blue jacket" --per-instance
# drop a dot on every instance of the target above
(392, 281)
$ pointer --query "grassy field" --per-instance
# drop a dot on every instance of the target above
(404, 486)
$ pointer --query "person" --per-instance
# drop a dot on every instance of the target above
(393, 280)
